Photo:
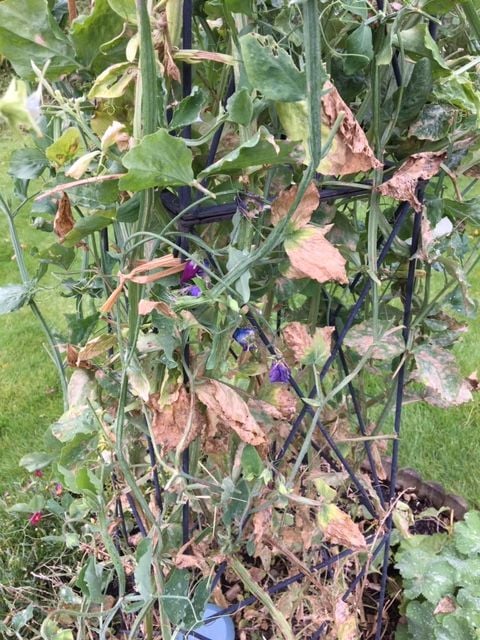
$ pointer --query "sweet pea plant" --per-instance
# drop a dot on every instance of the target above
(264, 213)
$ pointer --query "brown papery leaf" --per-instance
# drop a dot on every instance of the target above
(231, 410)
(345, 622)
(145, 307)
(297, 339)
(339, 528)
(403, 184)
(352, 151)
(303, 213)
(446, 605)
(64, 221)
(312, 256)
(172, 421)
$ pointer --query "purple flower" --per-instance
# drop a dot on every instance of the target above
(190, 270)
(279, 372)
(245, 338)
(35, 518)
(193, 290)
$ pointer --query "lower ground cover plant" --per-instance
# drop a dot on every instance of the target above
(250, 208)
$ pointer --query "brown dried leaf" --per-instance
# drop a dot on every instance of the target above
(231, 410)
(64, 221)
(403, 184)
(297, 339)
(339, 528)
(261, 523)
(145, 307)
(174, 421)
(95, 347)
(446, 605)
(350, 152)
(303, 213)
(312, 256)
(345, 622)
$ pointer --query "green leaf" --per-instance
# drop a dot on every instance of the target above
(418, 43)
(125, 9)
(467, 534)
(51, 631)
(90, 32)
(159, 160)
(27, 164)
(29, 33)
(237, 257)
(57, 254)
(90, 581)
(74, 421)
(22, 617)
(37, 460)
(239, 6)
(175, 595)
(261, 149)
(189, 109)
(415, 94)
(87, 225)
(113, 82)
(129, 210)
(459, 91)
(434, 122)
(65, 148)
(421, 621)
(466, 211)
(252, 464)
(13, 297)
(359, 47)
(271, 70)
(143, 570)
(240, 107)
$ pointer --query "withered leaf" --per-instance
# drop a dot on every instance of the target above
(145, 307)
(64, 221)
(174, 421)
(345, 622)
(445, 605)
(303, 213)
(351, 153)
(312, 256)
(297, 339)
(403, 184)
(231, 410)
(95, 347)
(338, 528)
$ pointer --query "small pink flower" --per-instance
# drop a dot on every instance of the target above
(35, 518)
(38, 473)
(58, 489)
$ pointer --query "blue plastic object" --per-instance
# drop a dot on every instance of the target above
(219, 629)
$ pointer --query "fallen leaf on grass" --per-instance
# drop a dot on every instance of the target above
(338, 528)
(303, 213)
(403, 184)
(231, 410)
(174, 421)
(64, 221)
(312, 256)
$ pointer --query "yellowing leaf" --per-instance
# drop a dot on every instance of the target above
(312, 256)
(114, 81)
(339, 528)
(403, 184)
(96, 347)
(303, 213)
(349, 152)
(65, 148)
(231, 410)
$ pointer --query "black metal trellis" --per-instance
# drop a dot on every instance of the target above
(381, 540)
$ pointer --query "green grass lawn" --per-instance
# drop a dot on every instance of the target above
(444, 445)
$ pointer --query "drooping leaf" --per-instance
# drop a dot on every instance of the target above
(65, 148)
(240, 107)
(231, 411)
(28, 32)
(339, 528)
(261, 150)
(159, 160)
(113, 82)
(403, 185)
(359, 47)
(349, 152)
(13, 297)
(91, 31)
(312, 256)
(303, 212)
(27, 164)
(271, 70)
(189, 109)
(438, 371)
